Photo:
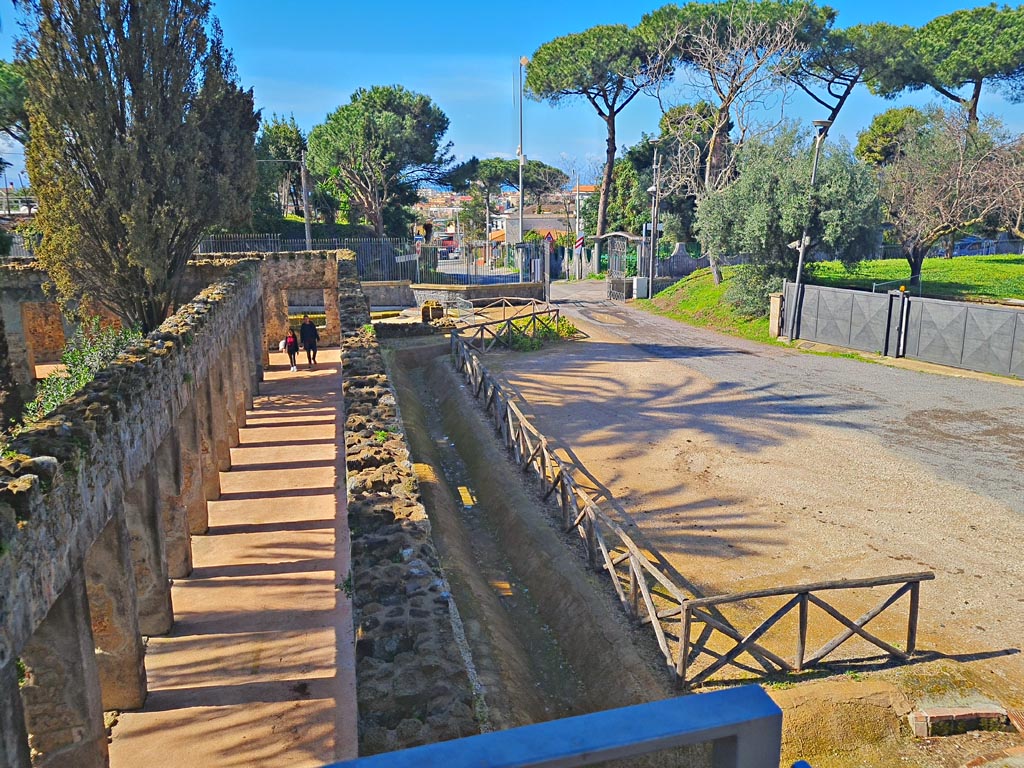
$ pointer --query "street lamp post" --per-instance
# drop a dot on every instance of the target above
(523, 61)
(306, 214)
(655, 203)
(822, 127)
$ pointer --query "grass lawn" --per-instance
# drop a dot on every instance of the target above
(696, 300)
(963, 277)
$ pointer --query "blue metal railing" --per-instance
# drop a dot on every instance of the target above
(743, 725)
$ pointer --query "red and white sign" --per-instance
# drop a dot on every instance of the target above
(579, 241)
(419, 246)
(549, 237)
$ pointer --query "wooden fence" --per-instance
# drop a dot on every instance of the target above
(518, 320)
(648, 593)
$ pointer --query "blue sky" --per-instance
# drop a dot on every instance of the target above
(306, 58)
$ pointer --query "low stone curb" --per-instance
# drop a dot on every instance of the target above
(983, 760)
(946, 721)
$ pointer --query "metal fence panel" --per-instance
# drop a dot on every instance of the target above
(832, 324)
(618, 267)
(869, 322)
(852, 319)
(937, 331)
(1017, 347)
(974, 336)
(988, 339)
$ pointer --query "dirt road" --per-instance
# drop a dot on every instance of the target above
(751, 466)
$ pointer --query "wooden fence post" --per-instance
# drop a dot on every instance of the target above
(563, 494)
(684, 647)
(801, 641)
(634, 589)
(591, 539)
(915, 603)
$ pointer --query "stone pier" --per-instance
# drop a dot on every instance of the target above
(149, 560)
(114, 611)
(61, 695)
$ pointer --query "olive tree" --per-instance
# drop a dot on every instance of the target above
(764, 212)
(731, 59)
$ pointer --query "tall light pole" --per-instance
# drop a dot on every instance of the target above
(821, 126)
(304, 176)
(523, 61)
(654, 190)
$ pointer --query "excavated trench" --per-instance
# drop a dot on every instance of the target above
(546, 636)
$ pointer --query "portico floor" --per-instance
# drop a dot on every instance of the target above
(259, 668)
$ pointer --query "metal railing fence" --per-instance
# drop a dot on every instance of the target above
(743, 726)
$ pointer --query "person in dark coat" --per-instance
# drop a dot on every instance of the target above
(309, 336)
(291, 346)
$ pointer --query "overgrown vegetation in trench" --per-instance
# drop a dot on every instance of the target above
(91, 348)
(528, 334)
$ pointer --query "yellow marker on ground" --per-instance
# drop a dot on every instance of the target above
(503, 588)
(468, 499)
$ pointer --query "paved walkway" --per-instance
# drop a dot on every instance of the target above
(259, 668)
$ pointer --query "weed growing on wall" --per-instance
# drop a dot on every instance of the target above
(91, 349)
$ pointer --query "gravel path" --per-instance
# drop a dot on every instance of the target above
(750, 466)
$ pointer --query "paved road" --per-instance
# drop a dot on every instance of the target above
(967, 430)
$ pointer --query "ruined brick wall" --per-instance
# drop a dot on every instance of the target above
(20, 283)
(56, 483)
(413, 687)
(43, 326)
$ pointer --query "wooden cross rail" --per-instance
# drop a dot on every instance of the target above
(647, 593)
(801, 597)
(486, 335)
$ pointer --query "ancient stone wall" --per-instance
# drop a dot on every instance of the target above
(448, 293)
(37, 331)
(20, 284)
(300, 270)
(413, 687)
(391, 293)
(91, 495)
(43, 325)
(98, 503)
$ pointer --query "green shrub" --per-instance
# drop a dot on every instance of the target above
(523, 337)
(91, 349)
(749, 288)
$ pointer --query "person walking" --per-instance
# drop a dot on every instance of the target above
(291, 346)
(309, 336)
